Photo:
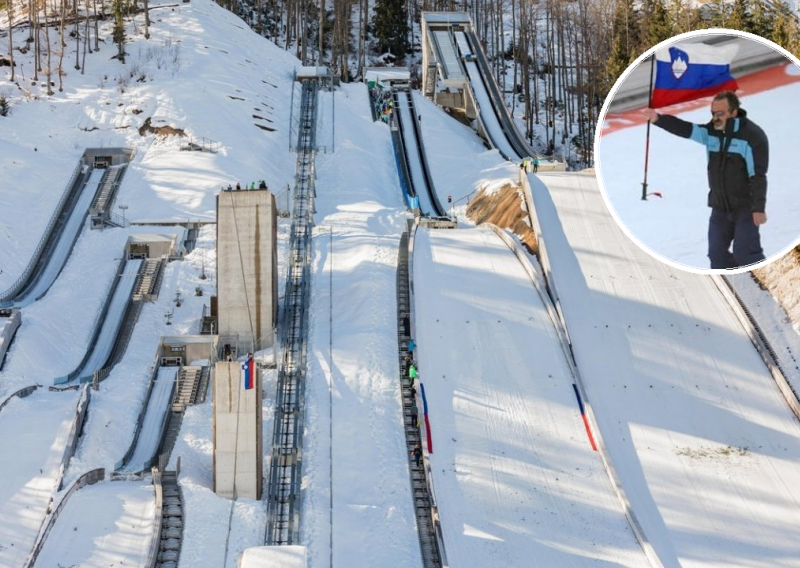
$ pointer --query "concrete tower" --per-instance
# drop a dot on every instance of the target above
(247, 293)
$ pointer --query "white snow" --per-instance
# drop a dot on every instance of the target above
(152, 425)
(106, 339)
(488, 116)
(508, 437)
(72, 227)
(109, 523)
(33, 436)
(412, 153)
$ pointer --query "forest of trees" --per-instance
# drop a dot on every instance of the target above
(556, 59)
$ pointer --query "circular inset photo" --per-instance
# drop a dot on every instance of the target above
(695, 151)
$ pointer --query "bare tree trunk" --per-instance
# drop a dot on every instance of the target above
(49, 70)
(96, 28)
(321, 31)
(297, 32)
(37, 56)
(10, 13)
(348, 12)
(147, 19)
(304, 23)
(62, 45)
(76, 31)
(287, 28)
(363, 17)
(515, 55)
(564, 74)
(86, 39)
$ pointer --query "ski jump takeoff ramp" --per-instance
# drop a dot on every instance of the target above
(704, 444)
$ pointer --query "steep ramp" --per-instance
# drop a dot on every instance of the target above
(104, 345)
(158, 406)
(705, 446)
(413, 159)
(514, 474)
(489, 119)
(60, 253)
(34, 433)
(118, 531)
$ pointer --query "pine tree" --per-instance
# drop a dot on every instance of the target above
(685, 18)
(657, 25)
(784, 29)
(391, 26)
(740, 18)
(717, 13)
(624, 47)
(762, 18)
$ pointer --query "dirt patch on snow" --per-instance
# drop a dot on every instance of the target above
(780, 278)
(504, 207)
(147, 128)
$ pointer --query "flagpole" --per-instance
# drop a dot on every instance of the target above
(647, 140)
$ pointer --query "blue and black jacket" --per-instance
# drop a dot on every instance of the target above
(738, 159)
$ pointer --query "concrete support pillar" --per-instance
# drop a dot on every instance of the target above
(237, 432)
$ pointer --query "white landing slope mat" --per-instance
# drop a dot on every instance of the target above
(106, 524)
(515, 477)
(705, 446)
(33, 436)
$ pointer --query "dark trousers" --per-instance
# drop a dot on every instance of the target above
(737, 227)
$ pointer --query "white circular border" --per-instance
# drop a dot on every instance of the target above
(598, 133)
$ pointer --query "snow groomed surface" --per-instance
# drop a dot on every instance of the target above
(104, 344)
(34, 432)
(66, 242)
(515, 477)
(154, 420)
(412, 153)
(116, 533)
(488, 117)
(704, 444)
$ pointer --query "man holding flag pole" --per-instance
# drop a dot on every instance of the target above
(737, 148)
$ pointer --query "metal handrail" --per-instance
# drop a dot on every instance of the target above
(15, 287)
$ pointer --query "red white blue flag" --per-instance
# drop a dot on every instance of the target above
(248, 373)
(688, 71)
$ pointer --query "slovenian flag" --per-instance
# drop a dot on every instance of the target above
(688, 71)
(248, 373)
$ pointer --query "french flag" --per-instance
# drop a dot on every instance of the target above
(248, 373)
(688, 71)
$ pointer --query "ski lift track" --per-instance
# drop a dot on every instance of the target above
(283, 495)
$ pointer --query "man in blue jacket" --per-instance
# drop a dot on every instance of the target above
(738, 158)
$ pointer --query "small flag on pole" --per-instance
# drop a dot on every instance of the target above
(688, 71)
(248, 373)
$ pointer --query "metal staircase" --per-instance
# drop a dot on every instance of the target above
(169, 547)
(283, 512)
(187, 387)
(100, 210)
(423, 509)
(147, 287)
